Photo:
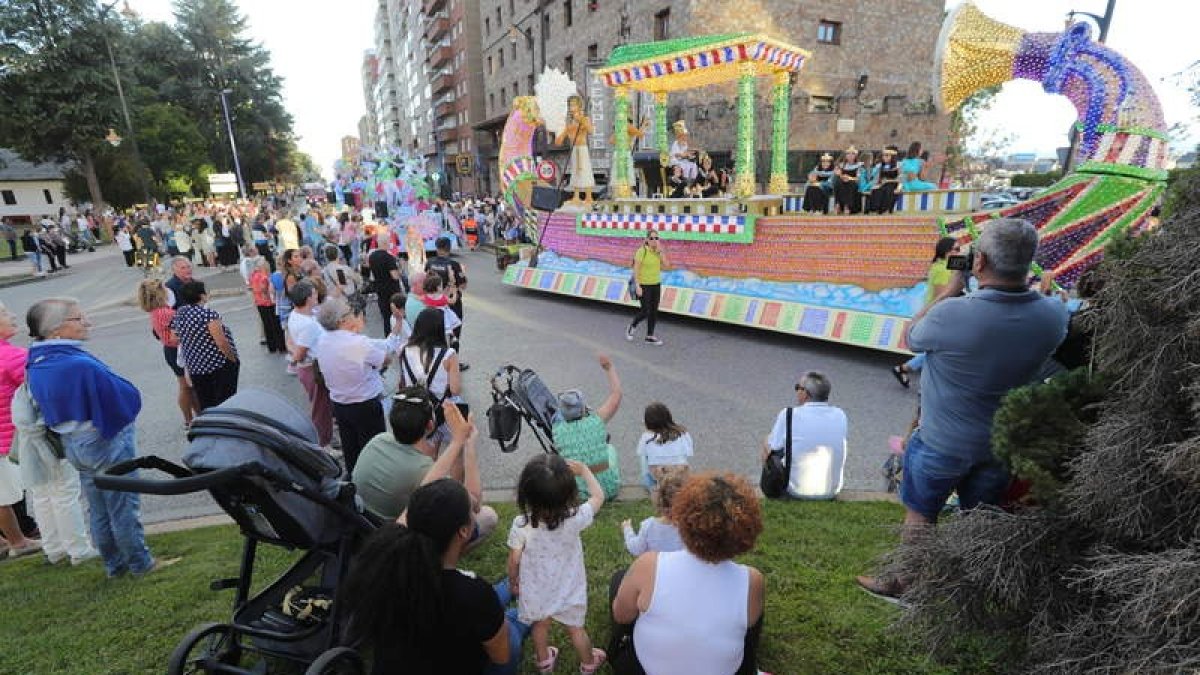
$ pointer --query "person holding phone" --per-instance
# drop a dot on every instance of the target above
(648, 263)
(939, 279)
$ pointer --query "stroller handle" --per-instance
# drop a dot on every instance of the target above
(185, 480)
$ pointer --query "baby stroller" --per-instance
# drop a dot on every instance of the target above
(520, 395)
(258, 457)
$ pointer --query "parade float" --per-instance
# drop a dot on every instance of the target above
(758, 260)
(393, 187)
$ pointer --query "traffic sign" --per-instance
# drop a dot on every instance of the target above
(462, 163)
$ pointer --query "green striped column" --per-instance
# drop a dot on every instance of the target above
(620, 158)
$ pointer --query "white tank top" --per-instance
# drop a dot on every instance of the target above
(696, 623)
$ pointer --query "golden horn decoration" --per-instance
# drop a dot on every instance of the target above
(974, 51)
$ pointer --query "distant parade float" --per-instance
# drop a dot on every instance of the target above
(760, 260)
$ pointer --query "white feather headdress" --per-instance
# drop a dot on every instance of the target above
(553, 89)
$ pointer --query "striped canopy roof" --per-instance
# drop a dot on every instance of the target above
(687, 63)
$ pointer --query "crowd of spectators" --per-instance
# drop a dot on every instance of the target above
(683, 605)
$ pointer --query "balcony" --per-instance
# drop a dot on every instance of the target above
(443, 81)
(436, 28)
(440, 55)
(444, 108)
(432, 6)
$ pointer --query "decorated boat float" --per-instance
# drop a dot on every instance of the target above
(760, 261)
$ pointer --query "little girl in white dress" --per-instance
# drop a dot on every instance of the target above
(546, 556)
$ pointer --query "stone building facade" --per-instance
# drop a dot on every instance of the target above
(891, 43)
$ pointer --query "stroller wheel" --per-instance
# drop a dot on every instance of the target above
(206, 650)
(337, 661)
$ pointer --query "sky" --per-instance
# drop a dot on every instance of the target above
(317, 46)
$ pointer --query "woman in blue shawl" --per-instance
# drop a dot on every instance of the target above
(93, 409)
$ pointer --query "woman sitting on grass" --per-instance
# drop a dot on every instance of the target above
(415, 609)
(695, 611)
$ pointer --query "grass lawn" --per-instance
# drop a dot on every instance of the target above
(72, 620)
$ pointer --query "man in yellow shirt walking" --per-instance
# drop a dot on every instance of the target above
(648, 263)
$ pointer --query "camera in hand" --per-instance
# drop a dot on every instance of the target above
(961, 262)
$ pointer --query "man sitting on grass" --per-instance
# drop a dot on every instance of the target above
(818, 441)
(392, 465)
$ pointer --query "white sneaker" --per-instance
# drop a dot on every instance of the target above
(629, 333)
(654, 341)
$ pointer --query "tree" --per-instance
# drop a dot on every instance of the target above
(170, 141)
(221, 58)
(964, 125)
(60, 99)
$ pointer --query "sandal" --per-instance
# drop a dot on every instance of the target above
(598, 659)
(901, 376)
(547, 666)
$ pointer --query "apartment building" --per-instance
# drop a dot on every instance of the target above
(368, 124)
(451, 32)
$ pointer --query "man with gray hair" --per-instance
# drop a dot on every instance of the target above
(978, 347)
(818, 443)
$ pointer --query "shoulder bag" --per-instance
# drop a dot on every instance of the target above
(777, 470)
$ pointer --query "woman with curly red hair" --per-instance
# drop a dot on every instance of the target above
(695, 611)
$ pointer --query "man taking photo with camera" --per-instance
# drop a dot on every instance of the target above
(978, 347)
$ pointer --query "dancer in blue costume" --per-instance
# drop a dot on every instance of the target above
(910, 171)
(816, 196)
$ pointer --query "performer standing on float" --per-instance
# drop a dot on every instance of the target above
(845, 183)
(682, 154)
(578, 128)
(816, 196)
(884, 198)
(910, 171)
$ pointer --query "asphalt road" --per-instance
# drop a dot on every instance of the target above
(724, 383)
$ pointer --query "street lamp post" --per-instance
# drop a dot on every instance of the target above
(237, 165)
(112, 61)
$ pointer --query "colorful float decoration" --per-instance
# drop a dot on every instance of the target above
(756, 260)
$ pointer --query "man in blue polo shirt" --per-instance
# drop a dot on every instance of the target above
(978, 347)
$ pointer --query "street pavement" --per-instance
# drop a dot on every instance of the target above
(724, 383)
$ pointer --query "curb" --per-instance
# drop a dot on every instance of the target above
(629, 493)
(20, 280)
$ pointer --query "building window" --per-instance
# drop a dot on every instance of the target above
(662, 25)
(9, 197)
(512, 10)
(492, 102)
(529, 81)
(48, 197)
(499, 20)
(514, 52)
(820, 104)
(503, 96)
(829, 32)
(491, 66)
(487, 26)
(569, 66)
(593, 5)
(516, 91)
(501, 58)
(567, 13)
(593, 52)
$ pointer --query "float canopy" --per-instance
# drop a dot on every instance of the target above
(691, 62)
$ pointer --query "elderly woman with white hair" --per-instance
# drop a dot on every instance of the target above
(92, 409)
(350, 363)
